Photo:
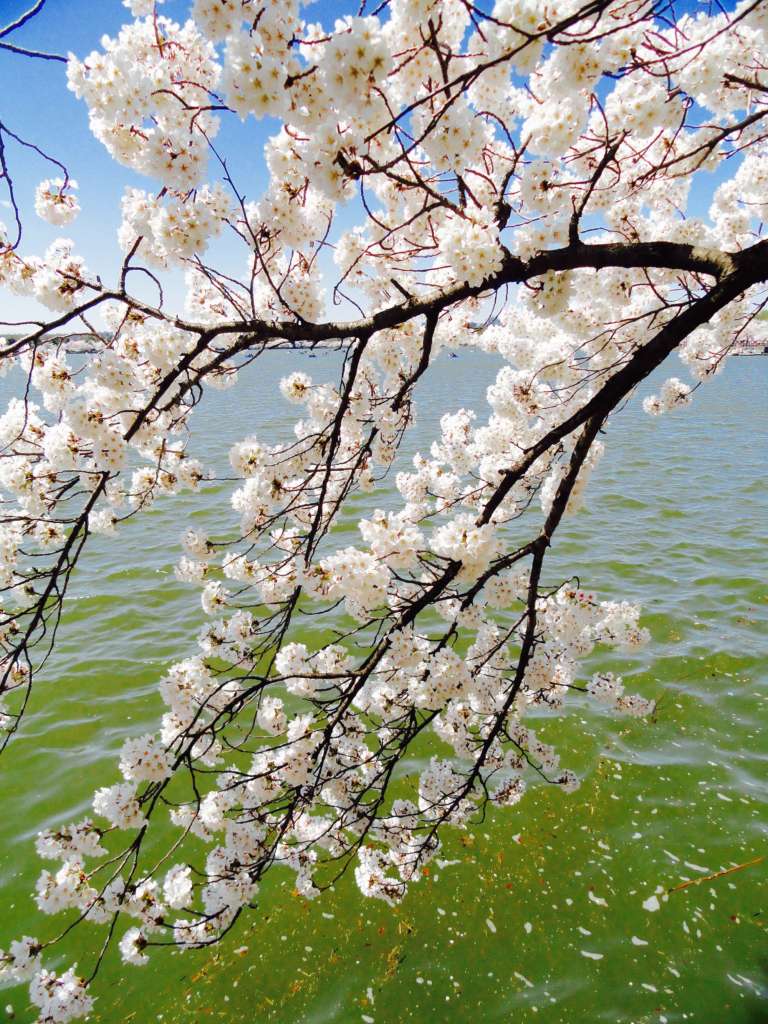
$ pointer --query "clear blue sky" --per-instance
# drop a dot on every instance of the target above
(35, 103)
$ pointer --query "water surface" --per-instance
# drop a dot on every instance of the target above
(510, 923)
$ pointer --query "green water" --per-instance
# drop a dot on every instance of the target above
(675, 519)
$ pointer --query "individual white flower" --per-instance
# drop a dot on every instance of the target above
(471, 248)
(23, 959)
(271, 717)
(632, 704)
(119, 805)
(144, 759)
(196, 543)
(214, 597)
(463, 541)
(247, 457)
(132, 945)
(54, 202)
(674, 393)
(177, 887)
(568, 781)
(296, 387)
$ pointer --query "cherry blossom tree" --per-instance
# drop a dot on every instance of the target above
(520, 172)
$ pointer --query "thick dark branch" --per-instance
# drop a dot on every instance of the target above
(645, 360)
(637, 255)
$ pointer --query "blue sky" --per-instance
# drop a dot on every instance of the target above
(35, 103)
